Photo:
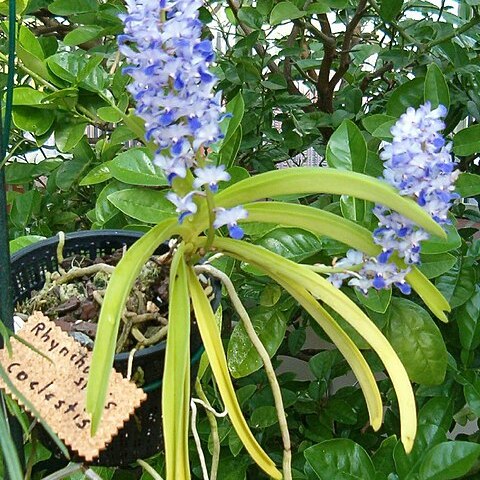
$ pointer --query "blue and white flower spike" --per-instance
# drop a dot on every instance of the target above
(173, 88)
(174, 93)
(230, 217)
(419, 163)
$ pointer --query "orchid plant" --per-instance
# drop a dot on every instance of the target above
(173, 87)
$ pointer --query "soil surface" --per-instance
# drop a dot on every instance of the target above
(73, 295)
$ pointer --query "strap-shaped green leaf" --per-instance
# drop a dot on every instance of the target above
(306, 180)
(345, 345)
(323, 290)
(321, 222)
(176, 398)
(314, 220)
(216, 355)
(116, 295)
(9, 451)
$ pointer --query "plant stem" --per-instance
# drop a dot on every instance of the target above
(213, 429)
(65, 472)
(211, 218)
(475, 20)
(149, 469)
(259, 347)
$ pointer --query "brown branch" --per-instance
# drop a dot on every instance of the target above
(376, 74)
(261, 51)
(324, 101)
(287, 67)
(347, 44)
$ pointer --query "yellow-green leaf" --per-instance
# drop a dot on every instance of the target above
(116, 295)
(216, 355)
(306, 180)
(176, 398)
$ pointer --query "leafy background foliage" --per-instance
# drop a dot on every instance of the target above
(327, 75)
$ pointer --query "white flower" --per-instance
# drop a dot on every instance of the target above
(230, 218)
(210, 175)
(185, 205)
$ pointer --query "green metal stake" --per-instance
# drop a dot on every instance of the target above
(6, 297)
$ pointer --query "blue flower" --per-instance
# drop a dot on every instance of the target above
(185, 205)
(210, 175)
(230, 217)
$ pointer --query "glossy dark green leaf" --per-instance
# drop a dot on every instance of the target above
(407, 465)
(101, 173)
(251, 17)
(229, 150)
(234, 443)
(66, 98)
(22, 242)
(468, 321)
(285, 11)
(35, 120)
(347, 149)
(149, 206)
(449, 460)
(104, 209)
(68, 135)
(70, 172)
(436, 88)
(233, 468)
(409, 94)
(28, 96)
(468, 184)
(467, 141)
(471, 391)
(383, 457)
(376, 300)
(66, 7)
(321, 364)
(434, 265)
(379, 125)
(417, 341)
(135, 167)
(270, 295)
(82, 34)
(439, 245)
(292, 243)
(437, 411)
(243, 359)
(340, 410)
(458, 284)
(263, 417)
(389, 9)
(24, 207)
(296, 340)
(73, 68)
(340, 458)
(109, 114)
(17, 173)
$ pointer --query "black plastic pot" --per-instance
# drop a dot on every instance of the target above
(141, 436)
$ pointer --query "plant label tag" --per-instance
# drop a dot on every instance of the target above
(56, 386)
